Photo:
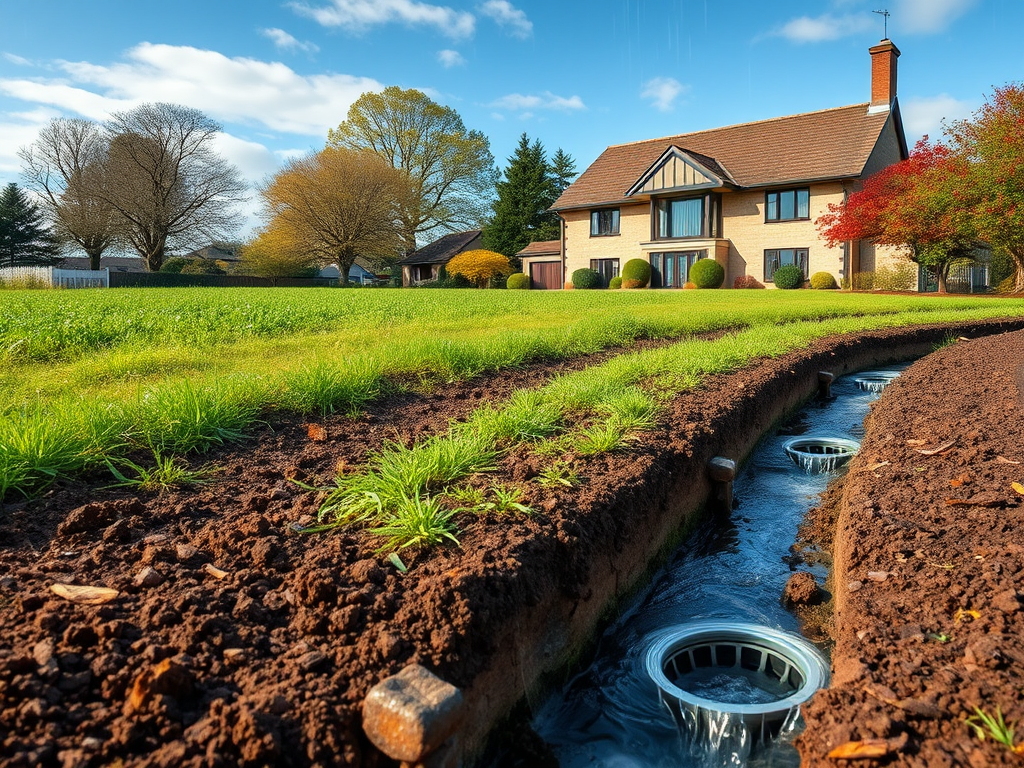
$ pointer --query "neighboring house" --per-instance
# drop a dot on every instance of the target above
(745, 195)
(423, 264)
(213, 252)
(542, 261)
(113, 263)
(360, 272)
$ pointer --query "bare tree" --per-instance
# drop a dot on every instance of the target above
(332, 206)
(67, 166)
(167, 183)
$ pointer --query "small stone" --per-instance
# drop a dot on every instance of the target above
(185, 552)
(149, 577)
(92, 744)
(234, 656)
(155, 538)
(168, 678)
(409, 715)
(854, 586)
(801, 589)
(43, 651)
(279, 494)
(312, 660)
(878, 576)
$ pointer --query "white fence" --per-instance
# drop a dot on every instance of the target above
(56, 278)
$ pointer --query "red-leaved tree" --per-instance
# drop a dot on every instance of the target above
(920, 205)
(991, 150)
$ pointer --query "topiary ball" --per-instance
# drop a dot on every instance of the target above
(823, 281)
(587, 278)
(517, 281)
(747, 281)
(615, 283)
(789, 277)
(690, 287)
(707, 273)
(636, 273)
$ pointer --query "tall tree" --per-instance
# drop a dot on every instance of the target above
(526, 191)
(914, 205)
(24, 239)
(333, 206)
(68, 166)
(450, 169)
(563, 170)
(167, 182)
(990, 147)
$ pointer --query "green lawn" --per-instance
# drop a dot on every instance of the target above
(86, 374)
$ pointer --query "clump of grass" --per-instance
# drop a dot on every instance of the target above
(36, 447)
(466, 496)
(182, 417)
(560, 473)
(994, 727)
(509, 500)
(167, 473)
(325, 387)
(600, 438)
(416, 521)
(947, 341)
(527, 416)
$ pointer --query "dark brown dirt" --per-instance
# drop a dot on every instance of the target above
(265, 658)
(929, 566)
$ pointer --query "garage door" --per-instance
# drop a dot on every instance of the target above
(546, 275)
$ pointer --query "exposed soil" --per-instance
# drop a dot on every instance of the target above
(266, 657)
(929, 567)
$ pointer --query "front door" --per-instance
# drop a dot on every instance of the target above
(546, 275)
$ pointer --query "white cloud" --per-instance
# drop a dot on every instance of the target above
(359, 15)
(228, 89)
(826, 27)
(16, 59)
(507, 15)
(285, 42)
(927, 16)
(924, 114)
(19, 129)
(450, 58)
(662, 92)
(547, 100)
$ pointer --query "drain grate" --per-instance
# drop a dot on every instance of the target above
(741, 681)
(817, 454)
(875, 381)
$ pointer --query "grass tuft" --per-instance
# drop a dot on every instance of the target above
(167, 473)
(416, 521)
(324, 387)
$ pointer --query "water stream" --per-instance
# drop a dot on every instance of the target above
(734, 568)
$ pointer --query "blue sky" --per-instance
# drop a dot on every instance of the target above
(576, 75)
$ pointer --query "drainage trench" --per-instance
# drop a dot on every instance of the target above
(705, 667)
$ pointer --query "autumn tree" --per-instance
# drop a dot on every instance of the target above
(990, 147)
(331, 207)
(272, 253)
(479, 266)
(449, 168)
(915, 205)
(25, 240)
(68, 168)
(167, 183)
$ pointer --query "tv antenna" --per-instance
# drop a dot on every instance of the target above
(885, 14)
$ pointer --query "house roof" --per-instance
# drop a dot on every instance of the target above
(542, 248)
(441, 250)
(113, 263)
(830, 144)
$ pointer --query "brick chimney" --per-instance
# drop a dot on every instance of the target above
(883, 75)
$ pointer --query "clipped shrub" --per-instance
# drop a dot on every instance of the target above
(587, 278)
(479, 266)
(636, 273)
(823, 281)
(864, 281)
(690, 286)
(518, 281)
(568, 285)
(174, 265)
(747, 281)
(707, 273)
(789, 277)
(615, 283)
(896, 277)
(201, 267)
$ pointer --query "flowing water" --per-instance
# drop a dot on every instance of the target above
(733, 568)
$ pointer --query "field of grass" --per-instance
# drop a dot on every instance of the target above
(86, 376)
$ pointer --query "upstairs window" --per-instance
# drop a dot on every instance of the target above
(787, 205)
(680, 217)
(604, 222)
(784, 257)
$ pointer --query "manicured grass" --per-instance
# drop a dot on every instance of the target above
(91, 375)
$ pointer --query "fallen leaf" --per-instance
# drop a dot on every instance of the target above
(867, 749)
(216, 572)
(879, 465)
(962, 614)
(1004, 460)
(1018, 488)
(316, 433)
(916, 442)
(84, 595)
(940, 449)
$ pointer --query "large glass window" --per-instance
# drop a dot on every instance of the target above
(604, 222)
(784, 257)
(606, 268)
(681, 218)
(787, 205)
(672, 270)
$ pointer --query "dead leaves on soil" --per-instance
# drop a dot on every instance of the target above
(316, 433)
(84, 595)
(866, 749)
